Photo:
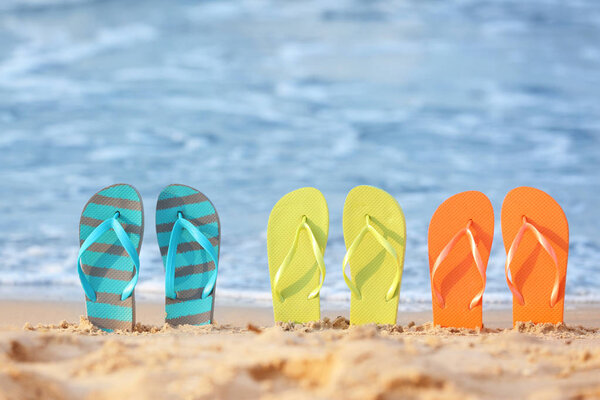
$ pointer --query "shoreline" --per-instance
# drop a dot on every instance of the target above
(16, 313)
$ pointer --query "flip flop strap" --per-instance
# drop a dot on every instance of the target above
(476, 257)
(170, 267)
(546, 246)
(386, 245)
(104, 227)
(290, 255)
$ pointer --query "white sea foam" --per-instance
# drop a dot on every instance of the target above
(60, 48)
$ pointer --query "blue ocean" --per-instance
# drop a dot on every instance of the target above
(248, 100)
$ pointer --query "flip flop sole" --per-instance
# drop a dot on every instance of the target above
(372, 269)
(106, 264)
(302, 275)
(194, 267)
(457, 278)
(532, 269)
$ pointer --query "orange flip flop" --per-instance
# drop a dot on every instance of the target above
(460, 239)
(536, 238)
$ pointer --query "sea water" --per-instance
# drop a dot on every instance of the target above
(248, 100)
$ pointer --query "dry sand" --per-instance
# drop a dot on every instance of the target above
(45, 359)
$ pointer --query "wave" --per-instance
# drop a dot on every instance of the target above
(38, 5)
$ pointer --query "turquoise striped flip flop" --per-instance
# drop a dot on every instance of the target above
(111, 230)
(189, 235)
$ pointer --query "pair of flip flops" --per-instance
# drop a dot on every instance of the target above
(375, 237)
(111, 230)
(536, 239)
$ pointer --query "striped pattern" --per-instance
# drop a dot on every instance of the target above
(106, 264)
(194, 266)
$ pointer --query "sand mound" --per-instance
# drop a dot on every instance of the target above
(340, 323)
(554, 329)
(325, 359)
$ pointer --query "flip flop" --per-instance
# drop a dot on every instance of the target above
(189, 236)
(460, 238)
(296, 239)
(536, 238)
(375, 236)
(111, 230)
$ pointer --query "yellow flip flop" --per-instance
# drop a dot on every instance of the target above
(296, 240)
(375, 236)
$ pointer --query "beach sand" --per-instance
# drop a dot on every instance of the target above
(243, 356)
